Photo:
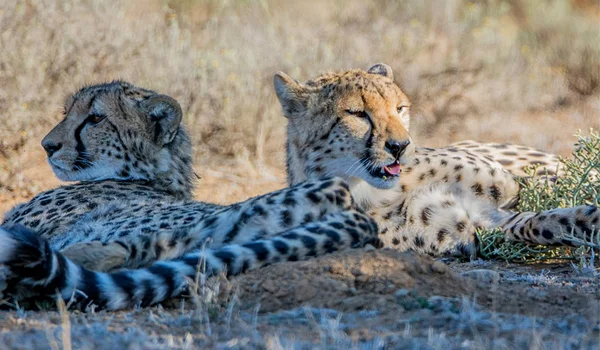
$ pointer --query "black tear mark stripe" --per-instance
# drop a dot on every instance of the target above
(82, 161)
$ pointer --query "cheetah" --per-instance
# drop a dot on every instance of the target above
(355, 124)
(348, 152)
(122, 144)
(133, 227)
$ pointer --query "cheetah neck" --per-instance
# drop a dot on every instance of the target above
(170, 169)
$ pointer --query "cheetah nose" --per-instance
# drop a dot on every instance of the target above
(51, 147)
(397, 148)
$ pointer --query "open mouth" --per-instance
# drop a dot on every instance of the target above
(387, 172)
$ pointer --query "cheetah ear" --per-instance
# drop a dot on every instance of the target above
(382, 69)
(164, 116)
(291, 95)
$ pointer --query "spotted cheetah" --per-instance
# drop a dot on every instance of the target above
(123, 144)
(351, 125)
(132, 227)
(354, 125)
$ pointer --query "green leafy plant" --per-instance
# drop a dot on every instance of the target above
(578, 183)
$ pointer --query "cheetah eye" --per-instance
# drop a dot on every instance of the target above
(360, 114)
(95, 118)
(402, 109)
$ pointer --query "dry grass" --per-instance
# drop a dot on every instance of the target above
(477, 70)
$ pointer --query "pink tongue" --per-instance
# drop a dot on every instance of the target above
(392, 169)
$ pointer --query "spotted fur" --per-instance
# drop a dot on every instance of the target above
(35, 268)
(341, 124)
(515, 158)
(123, 144)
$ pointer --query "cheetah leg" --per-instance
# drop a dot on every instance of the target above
(563, 226)
(257, 218)
(31, 262)
(439, 221)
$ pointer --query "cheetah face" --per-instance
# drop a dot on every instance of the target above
(112, 131)
(352, 124)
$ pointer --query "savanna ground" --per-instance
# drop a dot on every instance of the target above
(506, 71)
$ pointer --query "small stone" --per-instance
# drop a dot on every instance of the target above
(356, 272)
(439, 267)
(401, 293)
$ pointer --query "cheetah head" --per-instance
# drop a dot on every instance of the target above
(352, 124)
(121, 132)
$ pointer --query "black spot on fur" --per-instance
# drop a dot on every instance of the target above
(307, 218)
(547, 234)
(313, 197)
(226, 257)
(287, 218)
(441, 235)
(167, 274)
(495, 193)
(426, 215)
(289, 201)
(478, 189)
(281, 247)
(259, 250)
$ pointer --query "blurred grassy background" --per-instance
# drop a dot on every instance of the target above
(511, 71)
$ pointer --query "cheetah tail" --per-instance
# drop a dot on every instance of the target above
(574, 226)
(31, 262)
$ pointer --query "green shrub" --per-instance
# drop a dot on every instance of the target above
(579, 184)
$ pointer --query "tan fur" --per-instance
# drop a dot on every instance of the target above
(515, 158)
(441, 196)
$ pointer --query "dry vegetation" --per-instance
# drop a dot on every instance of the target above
(490, 70)
(516, 71)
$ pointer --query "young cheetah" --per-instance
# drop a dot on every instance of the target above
(126, 223)
(123, 144)
(352, 125)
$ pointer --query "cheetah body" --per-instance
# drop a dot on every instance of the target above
(346, 124)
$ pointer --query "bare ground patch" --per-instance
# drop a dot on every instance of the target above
(358, 299)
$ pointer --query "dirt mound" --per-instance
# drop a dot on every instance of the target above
(347, 281)
(363, 279)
